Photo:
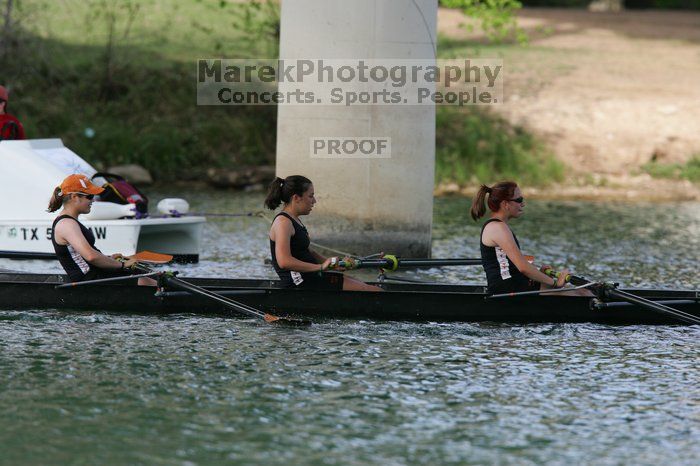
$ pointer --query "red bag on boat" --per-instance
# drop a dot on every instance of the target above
(120, 191)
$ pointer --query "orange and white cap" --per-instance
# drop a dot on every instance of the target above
(77, 183)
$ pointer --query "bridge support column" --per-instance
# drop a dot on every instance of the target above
(370, 204)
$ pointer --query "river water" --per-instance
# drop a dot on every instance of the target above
(99, 388)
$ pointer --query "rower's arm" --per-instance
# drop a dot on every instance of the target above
(281, 233)
(68, 231)
(503, 237)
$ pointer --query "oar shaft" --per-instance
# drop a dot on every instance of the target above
(107, 280)
(654, 306)
(393, 263)
(437, 262)
(236, 306)
(185, 286)
(611, 291)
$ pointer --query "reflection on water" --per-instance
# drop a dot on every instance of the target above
(102, 388)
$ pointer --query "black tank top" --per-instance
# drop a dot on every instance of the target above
(299, 245)
(73, 263)
(501, 274)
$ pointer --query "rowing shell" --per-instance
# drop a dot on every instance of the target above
(400, 302)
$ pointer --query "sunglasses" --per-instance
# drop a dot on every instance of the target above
(87, 196)
(519, 200)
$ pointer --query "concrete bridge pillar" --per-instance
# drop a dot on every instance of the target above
(366, 204)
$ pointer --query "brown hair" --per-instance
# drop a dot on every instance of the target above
(282, 190)
(57, 199)
(499, 192)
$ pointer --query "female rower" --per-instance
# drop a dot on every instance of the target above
(296, 264)
(74, 244)
(507, 270)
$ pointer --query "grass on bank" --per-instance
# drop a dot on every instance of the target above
(688, 171)
(473, 145)
(137, 92)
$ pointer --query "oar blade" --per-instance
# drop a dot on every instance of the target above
(290, 321)
(149, 257)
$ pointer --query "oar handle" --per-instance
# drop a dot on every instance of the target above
(388, 262)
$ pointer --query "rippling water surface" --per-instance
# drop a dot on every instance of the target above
(96, 388)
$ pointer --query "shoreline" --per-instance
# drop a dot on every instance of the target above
(612, 188)
(625, 188)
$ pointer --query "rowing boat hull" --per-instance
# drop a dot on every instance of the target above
(402, 302)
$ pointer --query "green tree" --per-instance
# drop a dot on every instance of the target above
(118, 18)
(497, 17)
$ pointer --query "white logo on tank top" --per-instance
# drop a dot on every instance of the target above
(502, 259)
(296, 278)
(78, 259)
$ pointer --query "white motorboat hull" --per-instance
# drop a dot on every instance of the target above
(30, 171)
(180, 237)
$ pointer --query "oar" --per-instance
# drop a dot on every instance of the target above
(170, 279)
(611, 290)
(390, 262)
(100, 281)
(146, 257)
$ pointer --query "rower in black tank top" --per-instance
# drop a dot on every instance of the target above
(299, 244)
(502, 275)
(77, 268)
(78, 256)
(73, 263)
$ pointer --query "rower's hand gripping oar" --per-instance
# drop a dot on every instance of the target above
(169, 279)
(610, 290)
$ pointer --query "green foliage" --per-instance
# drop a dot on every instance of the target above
(154, 123)
(475, 146)
(124, 71)
(260, 20)
(257, 22)
(117, 19)
(150, 117)
(688, 171)
(497, 17)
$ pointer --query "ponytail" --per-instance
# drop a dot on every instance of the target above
(499, 192)
(479, 203)
(282, 190)
(56, 201)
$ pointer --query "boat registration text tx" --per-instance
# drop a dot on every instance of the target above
(29, 233)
